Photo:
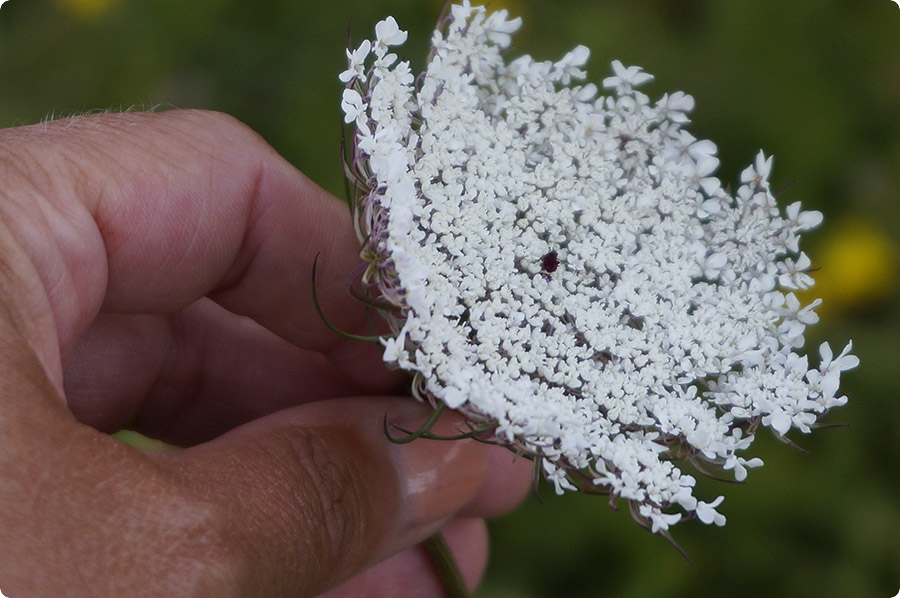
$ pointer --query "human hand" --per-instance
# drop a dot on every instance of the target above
(155, 275)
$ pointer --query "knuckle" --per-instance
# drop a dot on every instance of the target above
(331, 488)
(299, 509)
(326, 520)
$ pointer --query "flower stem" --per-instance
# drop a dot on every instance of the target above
(446, 567)
(357, 337)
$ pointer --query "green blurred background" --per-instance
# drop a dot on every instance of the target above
(816, 83)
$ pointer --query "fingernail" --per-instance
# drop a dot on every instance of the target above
(439, 477)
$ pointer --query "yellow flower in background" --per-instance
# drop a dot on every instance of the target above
(858, 267)
(86, 9)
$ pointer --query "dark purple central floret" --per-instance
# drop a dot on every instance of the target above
(550, 262)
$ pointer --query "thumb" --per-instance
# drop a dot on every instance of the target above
(315, 494)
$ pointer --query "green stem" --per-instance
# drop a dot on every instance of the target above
(422, 432)
(356, 337)
(445, 565)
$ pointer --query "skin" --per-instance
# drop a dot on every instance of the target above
(155, 275)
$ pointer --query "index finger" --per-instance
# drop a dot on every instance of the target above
(146, 213)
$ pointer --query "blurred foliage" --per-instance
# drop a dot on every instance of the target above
(87, 9)
(815, 83)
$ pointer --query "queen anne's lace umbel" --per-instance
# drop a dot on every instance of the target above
(565, 270)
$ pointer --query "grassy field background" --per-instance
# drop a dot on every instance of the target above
(815, 83)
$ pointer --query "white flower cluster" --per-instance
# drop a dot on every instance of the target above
(567, 272)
